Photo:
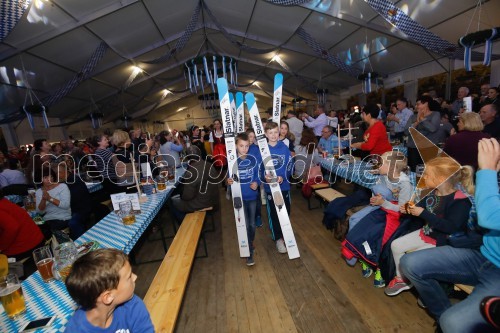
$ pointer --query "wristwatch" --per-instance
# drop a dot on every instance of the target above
(51, 200)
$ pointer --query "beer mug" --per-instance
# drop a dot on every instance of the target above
(126, 212)
(65, 255)
(29, 203)
(171, 174)
(11, 296)
(44, 263)
(161, 181)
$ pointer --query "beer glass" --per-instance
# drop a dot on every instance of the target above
(126, 212)
(65, 255)
(171, 174)
(11, 296)
(44, 262)
(29, 203)
(161, 181)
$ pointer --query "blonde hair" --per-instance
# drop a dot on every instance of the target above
(119, 138)
(401, 161)
(472, 121)
(443, 166)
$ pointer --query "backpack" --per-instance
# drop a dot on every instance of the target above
(307, 189)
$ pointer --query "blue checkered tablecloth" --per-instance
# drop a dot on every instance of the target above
(94, 187)
(52, 299)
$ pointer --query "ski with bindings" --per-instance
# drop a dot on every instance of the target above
(286, 226)
(240, 113)
(232, 157)
(278, 90)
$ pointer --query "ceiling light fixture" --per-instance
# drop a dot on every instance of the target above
(135, 71)
(165, 93)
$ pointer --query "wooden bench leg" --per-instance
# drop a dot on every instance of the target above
(212, 218)
(204, 246)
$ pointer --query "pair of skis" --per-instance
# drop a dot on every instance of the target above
(227, 112)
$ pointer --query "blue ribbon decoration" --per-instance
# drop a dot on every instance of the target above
(231, 74)
(224, 67)
(44, 117)
(205, 65)
(467, 53)
(489, 47)
(29, 116)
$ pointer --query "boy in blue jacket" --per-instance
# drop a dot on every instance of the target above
(280, 156)
(102, 284)
(248, 169)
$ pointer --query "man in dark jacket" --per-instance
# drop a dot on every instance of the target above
(198, 186)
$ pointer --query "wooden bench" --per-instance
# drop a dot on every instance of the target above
(328, 194)
(316, 187)
(464, 287)
(164, 297)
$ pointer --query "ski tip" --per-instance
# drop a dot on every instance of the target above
(278, 80)
(221, 82)
(239, 97)
(250, 99)
(231, 98)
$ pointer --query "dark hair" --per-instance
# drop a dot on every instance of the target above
(372, 110)
(93, 274)
(403, 99)
(307, 138)
(425, 99)
(241, 136)
(250, 130)
(44, 171)
(163, 135)
(94, 141)
(494, 88)
(37, 145)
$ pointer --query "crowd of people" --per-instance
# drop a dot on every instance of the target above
(416, 240)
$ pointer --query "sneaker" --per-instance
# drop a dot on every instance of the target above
(421, 304)
(280, 245)
(366, 270)
(258, 222)
(378, 282)
(396, 286)
(250, 261)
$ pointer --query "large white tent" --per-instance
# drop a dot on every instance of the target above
(54, 39)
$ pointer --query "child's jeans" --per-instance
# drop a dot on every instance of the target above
(274, 222)
(250, 207)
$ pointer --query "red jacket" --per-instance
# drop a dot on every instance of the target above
(376, 141)
(18, 232)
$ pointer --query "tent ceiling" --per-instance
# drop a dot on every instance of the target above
(55, 38)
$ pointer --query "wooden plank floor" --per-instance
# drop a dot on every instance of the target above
(316, 293)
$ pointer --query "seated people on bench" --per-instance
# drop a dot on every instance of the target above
(198, 186)
(19, 235)
(480, 268)
(80, 203)
(53, 199)
(9, 174)
(102, 284)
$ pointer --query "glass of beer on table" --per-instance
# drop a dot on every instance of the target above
(65, 255)
(44, 262)
(11, 296)
(126, 212)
